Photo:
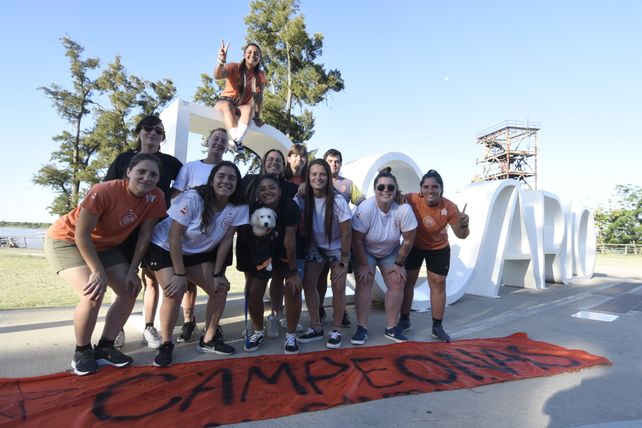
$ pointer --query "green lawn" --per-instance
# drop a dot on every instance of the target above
(29, 282)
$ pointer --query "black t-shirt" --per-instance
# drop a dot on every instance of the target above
(171, 166)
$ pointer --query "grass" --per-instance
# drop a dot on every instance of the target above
(27, 281)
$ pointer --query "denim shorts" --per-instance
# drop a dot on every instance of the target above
(388, 260)
(321, 255)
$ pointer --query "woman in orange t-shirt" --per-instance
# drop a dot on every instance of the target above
(434, 213)
(83, 248)
(242, 99)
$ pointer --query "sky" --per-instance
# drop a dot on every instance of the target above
(422, 77)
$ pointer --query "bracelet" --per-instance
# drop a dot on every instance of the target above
(220, 62)
(180, 274)
(295, 270)
(218, 274)
(399, 264)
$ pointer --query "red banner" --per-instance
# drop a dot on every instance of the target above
(226, 391)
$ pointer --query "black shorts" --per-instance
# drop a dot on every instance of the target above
(437, 261)
(157, 258)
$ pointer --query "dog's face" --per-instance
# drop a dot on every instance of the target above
(263, 219)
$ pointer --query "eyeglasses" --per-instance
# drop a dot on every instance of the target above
(389, 187)
(157, 129)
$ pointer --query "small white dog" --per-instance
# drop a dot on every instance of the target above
(263, 222)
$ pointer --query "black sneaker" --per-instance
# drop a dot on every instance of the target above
(404, 324)
(215, 346)
(254, 342)
(360, 336)
(395, 334)
(219, 332)
(334, 340)
(321, 313)
(163, 356)
(311, 335)
(345, 321)
(84, 362)
(110, 356)
(439, 334)
(291, 346)
(187, 331)
(237, 147)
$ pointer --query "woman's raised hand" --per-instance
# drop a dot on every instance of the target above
(222, 52)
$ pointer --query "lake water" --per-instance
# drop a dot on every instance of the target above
(24, 238)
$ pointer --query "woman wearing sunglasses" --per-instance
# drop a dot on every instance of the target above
(377, 226)
(150, 133)
(434, 213)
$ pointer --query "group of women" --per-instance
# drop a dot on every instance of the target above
(182, 236)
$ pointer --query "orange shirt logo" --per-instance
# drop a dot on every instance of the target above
(429, 221)
(128, 218)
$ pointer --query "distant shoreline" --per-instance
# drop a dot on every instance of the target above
(25, 224)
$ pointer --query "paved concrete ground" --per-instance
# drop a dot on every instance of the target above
(34, 342)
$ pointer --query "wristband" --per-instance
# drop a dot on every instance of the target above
(220, 62)
(218, 275)
(295, 270)
(399, 264)
(180, 274)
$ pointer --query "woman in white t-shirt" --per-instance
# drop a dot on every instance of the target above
(192, 174)
(195, 242)
(328, 232)
(377, 226)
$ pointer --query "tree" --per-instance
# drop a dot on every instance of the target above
(100, 111)
(295, 79)
(64, 171)
(621, 223)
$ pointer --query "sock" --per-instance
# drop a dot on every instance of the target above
(436, 322)
(149, 324)
(105, 343)
(232, 133)
(83, 347)
(405, 317)
(240, 132)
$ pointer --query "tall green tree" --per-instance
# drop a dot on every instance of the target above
(100, 109)
(64, 173)
(295, 77)
(621, 223)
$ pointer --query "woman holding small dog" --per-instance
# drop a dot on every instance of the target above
(328, 232)
(195, 242)
(283, 254)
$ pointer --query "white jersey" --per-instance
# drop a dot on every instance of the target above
(382, 230)
(341, 213)
(186, 209)
(192, 174)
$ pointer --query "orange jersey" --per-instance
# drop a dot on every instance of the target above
(232, 88)
(118, 211)
(432, 232)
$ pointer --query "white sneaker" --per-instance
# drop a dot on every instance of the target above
(152, 337)
(119, 341)
(291, 346)
(272, 328)
(284, 324)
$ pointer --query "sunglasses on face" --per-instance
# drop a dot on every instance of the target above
(156, 129)
(389, 187)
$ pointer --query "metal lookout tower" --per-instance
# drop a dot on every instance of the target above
(510, 151)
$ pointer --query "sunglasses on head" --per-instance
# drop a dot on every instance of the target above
(158, 130)
(389, 187)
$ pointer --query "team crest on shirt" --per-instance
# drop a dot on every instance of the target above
(429, 221)
(150, 198)
(342, 188)
(183, 210)
(397, 224)
(444, 212)
(128, 218)
(226, 223)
